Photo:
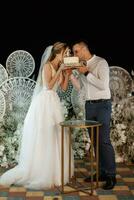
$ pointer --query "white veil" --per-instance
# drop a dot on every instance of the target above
(44, 59)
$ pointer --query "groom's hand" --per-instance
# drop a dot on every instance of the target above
(83, 69)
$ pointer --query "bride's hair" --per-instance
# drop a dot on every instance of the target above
(56, 49)
(48, 55)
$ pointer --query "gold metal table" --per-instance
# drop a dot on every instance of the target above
(81, 124)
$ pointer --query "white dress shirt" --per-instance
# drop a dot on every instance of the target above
(97, 81)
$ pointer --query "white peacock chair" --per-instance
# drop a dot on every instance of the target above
(120, 83)
(17, 92)
(3, 74)
(20, 63)
(2, 105)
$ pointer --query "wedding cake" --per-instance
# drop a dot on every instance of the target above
(71, 60)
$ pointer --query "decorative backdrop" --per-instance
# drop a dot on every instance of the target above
(16, 88)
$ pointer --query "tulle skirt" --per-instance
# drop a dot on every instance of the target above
(39, 164)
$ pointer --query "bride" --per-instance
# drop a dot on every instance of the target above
(39, 165)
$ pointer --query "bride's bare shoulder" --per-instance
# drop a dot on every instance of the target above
(47, 66)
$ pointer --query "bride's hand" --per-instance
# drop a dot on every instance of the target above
(62, 66)
(68, 72)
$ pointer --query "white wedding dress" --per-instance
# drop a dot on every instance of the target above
(39, 164)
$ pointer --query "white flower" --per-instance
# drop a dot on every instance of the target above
(80, 114)
(64, 109)
(87, 147)
(4, 158)
(2, 148)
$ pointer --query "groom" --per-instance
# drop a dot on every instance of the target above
(98, 107)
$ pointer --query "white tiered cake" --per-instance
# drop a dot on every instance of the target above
(71, 61)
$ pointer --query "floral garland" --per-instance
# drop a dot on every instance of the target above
(122, 129)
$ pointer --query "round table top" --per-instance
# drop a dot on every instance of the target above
(80, 123)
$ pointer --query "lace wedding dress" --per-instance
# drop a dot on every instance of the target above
(39, 164)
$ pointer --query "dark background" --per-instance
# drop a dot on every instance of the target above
(31, 26)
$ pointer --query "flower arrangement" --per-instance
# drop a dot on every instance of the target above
(81, 142)
(122, 129)
(10, 137)
(122, 133)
